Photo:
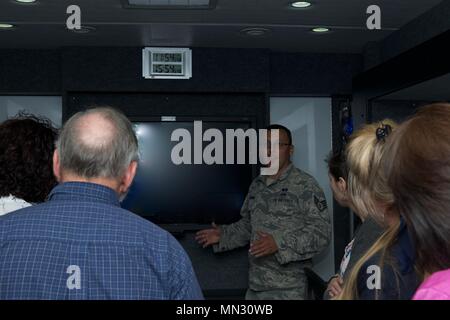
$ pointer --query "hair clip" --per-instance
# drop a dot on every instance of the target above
(383, 132)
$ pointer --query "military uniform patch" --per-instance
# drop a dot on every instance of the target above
(320, 204)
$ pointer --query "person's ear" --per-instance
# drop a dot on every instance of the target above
(128, 178)
(56, 166)
(291, 149)
(342, 185)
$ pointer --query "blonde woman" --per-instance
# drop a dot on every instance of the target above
(366, 234)
(386, 271)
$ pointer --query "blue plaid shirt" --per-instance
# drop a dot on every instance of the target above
(82, 245)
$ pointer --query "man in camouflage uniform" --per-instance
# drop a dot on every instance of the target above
(286, 221)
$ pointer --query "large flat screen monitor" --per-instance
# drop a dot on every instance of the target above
(166, 193)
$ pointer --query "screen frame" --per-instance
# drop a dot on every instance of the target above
(179, 229)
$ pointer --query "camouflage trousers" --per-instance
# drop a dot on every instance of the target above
(277, 294)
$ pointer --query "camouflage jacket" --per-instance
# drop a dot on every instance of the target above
(294, 211)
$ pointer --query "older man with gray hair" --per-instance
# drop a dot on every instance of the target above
(81, 244)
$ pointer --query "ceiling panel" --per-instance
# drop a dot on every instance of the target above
(42, 25)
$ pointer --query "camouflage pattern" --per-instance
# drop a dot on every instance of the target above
(278, 294)
(294, 211)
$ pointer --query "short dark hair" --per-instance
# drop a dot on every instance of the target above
(280, 127)
(27, 143)
(337, 165)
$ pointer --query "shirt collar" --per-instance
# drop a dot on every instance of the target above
(286, 172)
(84, 191)
(12, 199)
(283, 176)
(11, 203)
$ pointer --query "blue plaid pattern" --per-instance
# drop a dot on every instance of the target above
(119, 254)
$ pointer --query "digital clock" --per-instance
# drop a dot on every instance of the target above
(167, 63)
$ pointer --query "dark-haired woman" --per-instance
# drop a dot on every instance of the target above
(417, 164)
(26, 153)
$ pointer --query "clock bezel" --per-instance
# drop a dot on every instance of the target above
(148, 63)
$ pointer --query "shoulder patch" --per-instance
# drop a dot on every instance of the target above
(320, 204)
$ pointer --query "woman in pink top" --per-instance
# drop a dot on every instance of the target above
(417, 165)
(436, 287)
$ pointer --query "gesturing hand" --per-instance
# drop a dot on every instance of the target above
(264, 246)
(208, 237)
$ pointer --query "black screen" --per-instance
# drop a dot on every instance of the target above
(165, 193)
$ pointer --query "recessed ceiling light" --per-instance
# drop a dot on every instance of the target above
(255, 32)
(84, 29)
(170, 4)
(25, 1)
(320, 30)
(301, 4)
(6, 26)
